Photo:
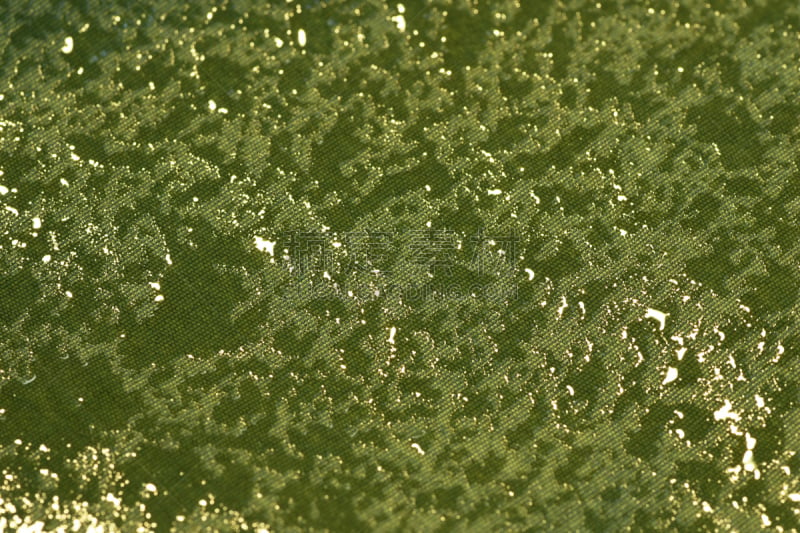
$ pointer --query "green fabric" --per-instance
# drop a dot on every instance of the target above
(432, 266)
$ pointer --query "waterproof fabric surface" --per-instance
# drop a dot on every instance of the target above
(431, 266)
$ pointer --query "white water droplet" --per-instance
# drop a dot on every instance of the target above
(563, 306)
(748, 462)
(116, 502)
(658, 315)
(69, 44)
(264, 245)
(725, 412)
(400, 22)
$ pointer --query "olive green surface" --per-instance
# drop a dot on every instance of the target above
(170, 362)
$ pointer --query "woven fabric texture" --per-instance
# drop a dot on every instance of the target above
(421, 266)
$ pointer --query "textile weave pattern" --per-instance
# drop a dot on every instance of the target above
(549, 275)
